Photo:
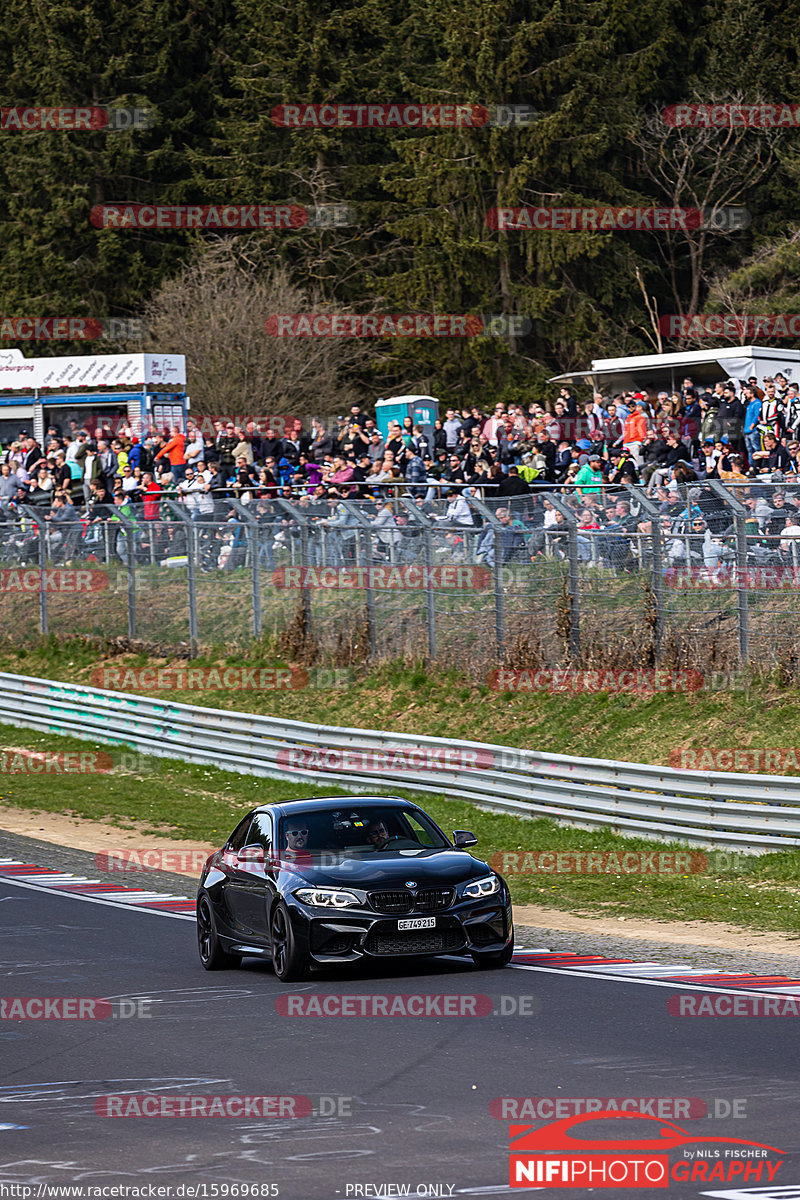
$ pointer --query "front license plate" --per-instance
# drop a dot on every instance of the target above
(418, 923)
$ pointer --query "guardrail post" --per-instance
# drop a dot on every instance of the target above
(191, 575)
(740, 514)
(574, 575)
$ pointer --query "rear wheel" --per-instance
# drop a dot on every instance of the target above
(212, 955)
(289, 962)
(495, 958)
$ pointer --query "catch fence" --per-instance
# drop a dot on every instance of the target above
(627, 577)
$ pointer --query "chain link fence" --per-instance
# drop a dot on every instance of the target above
(630, 577)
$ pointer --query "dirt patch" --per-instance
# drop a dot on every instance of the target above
(78, 833)
(688, 933)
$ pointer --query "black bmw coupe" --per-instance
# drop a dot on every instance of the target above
(322, 881)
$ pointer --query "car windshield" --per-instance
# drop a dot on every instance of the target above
(360, 830)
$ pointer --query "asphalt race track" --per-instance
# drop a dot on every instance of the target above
(406, 1099)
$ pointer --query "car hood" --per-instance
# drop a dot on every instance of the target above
(430, 868)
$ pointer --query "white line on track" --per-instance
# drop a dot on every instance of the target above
(123, 904)
(675, 985)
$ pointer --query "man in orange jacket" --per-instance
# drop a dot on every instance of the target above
(634, 432)
(174, 451)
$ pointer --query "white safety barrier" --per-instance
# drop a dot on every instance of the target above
(751, 813)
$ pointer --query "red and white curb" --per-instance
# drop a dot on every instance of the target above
(44, 879)
(560, 962)
(630, 970)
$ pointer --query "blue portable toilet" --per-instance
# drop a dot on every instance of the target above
(423, 410)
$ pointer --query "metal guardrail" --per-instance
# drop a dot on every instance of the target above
(751, 813)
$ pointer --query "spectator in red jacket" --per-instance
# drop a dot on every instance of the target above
(150, 492)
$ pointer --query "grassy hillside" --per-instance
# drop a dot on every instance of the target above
(409, 699)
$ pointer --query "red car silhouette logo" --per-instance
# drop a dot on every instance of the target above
(558, 1136)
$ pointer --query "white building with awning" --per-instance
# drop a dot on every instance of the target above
(132, 389)
(653, 373)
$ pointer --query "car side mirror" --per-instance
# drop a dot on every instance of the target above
(463, 838)
(251, 854)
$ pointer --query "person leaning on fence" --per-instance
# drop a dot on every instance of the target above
(342, 530)
(589, 477)
(614, 544)
(65, 529)
(387, 536)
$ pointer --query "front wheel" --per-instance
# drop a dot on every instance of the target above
(212, 955)
(494, 959)
(289, 963)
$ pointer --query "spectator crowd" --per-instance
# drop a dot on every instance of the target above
(526, 460)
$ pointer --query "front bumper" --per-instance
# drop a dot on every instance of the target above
(347, 936)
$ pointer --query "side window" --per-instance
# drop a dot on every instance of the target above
(418, 831)
(261, 831)
(238, 837)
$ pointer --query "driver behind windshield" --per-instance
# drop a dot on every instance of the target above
(377, 834)
(297, 842)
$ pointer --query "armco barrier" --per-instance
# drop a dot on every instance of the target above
(751, 813)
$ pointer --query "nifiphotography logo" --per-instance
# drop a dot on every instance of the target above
(634, 1154)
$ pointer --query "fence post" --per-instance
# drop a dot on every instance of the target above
(130, 566)
(253, 541)
(739, 517)
(41, 531)
(131, 583)
(305, 595)
(574, 576)
(499, 595)
(651, 509)
(430, 599)
(365, 531)
(191, 575)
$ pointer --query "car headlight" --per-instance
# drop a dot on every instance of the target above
(478, 888)
(327, 897)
